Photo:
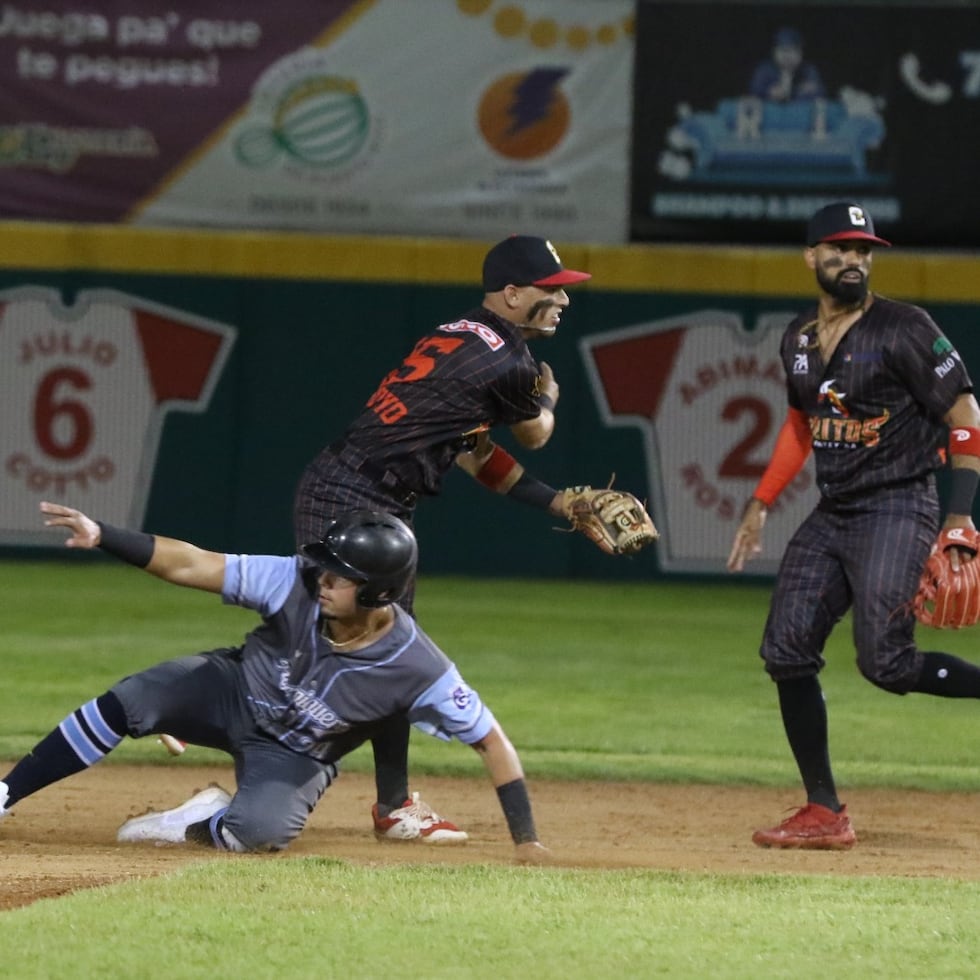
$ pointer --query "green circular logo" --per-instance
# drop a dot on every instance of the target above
(321, 121)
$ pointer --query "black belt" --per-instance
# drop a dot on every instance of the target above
(391, 483)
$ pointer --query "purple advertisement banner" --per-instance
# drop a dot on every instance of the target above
(117, 99)
(389, 117)
(749, 116)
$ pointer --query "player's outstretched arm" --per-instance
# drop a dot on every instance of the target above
(613, 520)
(505, 771)
(174, 561)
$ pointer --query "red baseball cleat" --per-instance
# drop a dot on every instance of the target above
(416, 821)
(812, 826)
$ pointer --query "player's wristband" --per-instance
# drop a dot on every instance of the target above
(962, 489)
(964, 441)
(497, 468)
(516, 805)
(135, 547)
(531, 490)
(546, 401)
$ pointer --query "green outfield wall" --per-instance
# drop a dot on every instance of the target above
(314, 323)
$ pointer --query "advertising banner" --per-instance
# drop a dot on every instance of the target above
(707, 397)
(86, 389)
(436, 117)
(750, 116)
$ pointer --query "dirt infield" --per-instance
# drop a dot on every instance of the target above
(63, 839)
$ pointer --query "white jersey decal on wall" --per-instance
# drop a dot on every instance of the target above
(84, 391)
(708, 398)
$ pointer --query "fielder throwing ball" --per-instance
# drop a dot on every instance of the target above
(334, 657)
(436, 408)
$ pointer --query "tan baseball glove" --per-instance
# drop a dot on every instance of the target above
(612, 520)
(948, 598)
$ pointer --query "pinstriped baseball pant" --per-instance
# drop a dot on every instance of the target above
(865, 556)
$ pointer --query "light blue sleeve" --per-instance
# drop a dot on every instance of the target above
(259, 582)
(450, 708)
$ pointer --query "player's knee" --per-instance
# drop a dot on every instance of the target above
(256, 832)
(896, 675)
(215, 832)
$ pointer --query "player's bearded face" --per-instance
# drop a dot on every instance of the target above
(845, 280)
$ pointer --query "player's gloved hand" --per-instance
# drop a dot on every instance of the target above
(613, 520)
(948, 596)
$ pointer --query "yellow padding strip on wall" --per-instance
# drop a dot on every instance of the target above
(713, 270)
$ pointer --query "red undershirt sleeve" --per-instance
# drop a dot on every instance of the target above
(793, 446)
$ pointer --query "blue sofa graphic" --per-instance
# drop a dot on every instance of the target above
(748, 140)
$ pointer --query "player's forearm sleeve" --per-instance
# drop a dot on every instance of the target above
(498, 474)
(135, 547)
(516, 805)
(793, 446)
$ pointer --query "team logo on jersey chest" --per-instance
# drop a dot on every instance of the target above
(836, 398)
(846, 433)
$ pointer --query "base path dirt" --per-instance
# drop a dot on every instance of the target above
(64, 838)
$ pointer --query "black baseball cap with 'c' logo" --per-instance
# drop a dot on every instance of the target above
(524, 260)
(841, 222)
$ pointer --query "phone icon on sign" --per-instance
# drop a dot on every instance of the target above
(936, 92)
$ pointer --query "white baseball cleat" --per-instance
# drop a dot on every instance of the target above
(169, 826)
(4, 796)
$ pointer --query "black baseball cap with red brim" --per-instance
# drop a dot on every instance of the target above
(524, 260)
(842, 222)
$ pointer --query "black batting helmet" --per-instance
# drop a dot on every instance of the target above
(372, 547)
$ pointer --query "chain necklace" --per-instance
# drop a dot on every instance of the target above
(831, 332)
(340, 644)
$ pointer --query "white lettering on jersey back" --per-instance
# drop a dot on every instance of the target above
(492, 339)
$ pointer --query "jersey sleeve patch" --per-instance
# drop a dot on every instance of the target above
(490, 337)
(449, 709)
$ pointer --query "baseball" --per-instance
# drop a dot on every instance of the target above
(173, 745)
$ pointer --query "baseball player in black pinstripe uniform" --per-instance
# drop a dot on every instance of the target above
(332, 659)
(879, 394)
(435, 409)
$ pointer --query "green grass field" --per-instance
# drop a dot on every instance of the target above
(654, 682)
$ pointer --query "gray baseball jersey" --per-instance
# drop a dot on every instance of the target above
(306, 694)
(287, 707)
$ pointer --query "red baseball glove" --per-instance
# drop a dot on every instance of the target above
(949, 599)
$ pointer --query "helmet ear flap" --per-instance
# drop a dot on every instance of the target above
(367, 597)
